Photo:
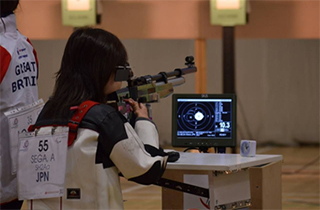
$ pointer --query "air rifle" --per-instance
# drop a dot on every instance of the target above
(150, 89)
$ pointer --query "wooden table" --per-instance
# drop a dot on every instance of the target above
(234, 182)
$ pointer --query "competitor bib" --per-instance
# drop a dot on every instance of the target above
(42, 163)
(19, 120)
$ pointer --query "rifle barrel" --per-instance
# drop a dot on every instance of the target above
(175, 81)
(175, 73)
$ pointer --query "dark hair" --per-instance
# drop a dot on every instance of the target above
(89, 60)
(7, 7)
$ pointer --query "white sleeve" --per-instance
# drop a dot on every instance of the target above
(147, 132)
(131, 158)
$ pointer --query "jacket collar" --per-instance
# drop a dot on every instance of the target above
(8, 24)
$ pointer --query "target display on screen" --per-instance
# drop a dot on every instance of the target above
(201, 119)
(204, 117)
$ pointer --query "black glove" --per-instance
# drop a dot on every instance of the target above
(172, 156)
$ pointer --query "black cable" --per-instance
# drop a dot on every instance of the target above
(190, 148)
(200, 149)
(304, 166)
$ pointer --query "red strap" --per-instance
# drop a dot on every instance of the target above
(77, 118)
(31, 128)
(5, 59)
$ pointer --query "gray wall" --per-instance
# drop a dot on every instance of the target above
(277, 83)
(277, 86)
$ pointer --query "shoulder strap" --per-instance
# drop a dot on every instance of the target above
(77, 118)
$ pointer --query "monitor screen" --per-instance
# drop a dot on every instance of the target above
(203, 120)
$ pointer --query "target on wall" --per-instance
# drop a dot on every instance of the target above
(195, 116)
